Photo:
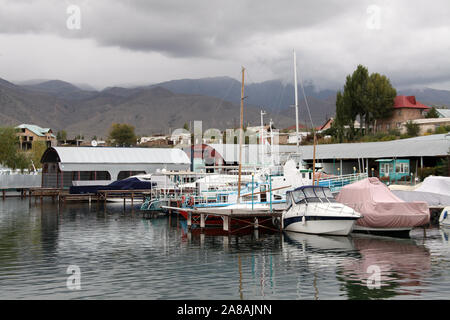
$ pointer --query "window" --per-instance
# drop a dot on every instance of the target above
(388, 126)
(298, 196)
(399, 124)
(399, 112)
(288, 200)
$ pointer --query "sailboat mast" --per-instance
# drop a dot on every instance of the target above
(296, 99)
(241, 137)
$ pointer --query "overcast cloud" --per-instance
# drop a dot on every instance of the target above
(148, 41)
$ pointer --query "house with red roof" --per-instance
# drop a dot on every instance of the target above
(405, 108)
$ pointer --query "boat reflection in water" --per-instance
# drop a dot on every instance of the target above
(403, 265)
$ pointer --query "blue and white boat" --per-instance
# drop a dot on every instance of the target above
(313, 209)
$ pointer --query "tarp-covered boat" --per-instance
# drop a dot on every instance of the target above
(383, 212)
(433, 190)
(131, 183)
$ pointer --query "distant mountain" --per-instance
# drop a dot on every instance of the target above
(429, 96)
(60, 105)
(274, 96)
(60, 89)
(19, 105)
(160, 108)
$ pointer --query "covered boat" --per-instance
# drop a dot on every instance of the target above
(383, 212)
(433, 190)
(131, 183)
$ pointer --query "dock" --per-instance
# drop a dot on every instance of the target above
(249, 218)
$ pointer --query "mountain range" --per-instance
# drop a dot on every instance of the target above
(162, 107)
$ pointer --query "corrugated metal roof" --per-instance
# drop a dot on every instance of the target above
(444, 112)
(36, 129)
(121, 155)
(424, 146)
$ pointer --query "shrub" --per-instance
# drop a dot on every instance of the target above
(412, 129)
(425, 172)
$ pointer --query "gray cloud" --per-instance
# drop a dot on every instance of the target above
(206, 37)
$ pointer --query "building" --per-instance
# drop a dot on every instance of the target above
(405, 108)
(326, 125)
(346, 158)
(29, 133)
(443, 113)
(428, 124)
(62, 166)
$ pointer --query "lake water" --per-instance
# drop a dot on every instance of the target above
(123, 256)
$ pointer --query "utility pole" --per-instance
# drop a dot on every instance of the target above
(241, 137)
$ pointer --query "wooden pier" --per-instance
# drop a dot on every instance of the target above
(248, 218)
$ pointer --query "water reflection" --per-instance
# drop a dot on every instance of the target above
(122, 255)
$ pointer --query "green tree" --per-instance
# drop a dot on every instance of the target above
(61, 135)
(381, 97)
(37, 150)
(353, 101)
(432, 113)
(122, 134)
(412, 129)
(9, 143)
(186, 126)
(368, 97)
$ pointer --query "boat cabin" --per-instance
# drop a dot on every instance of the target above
(308, 194)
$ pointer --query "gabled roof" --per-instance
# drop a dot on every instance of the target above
(408, 102)
(35, 129)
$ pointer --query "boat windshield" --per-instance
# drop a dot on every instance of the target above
(313, 194)
(298, 196)
(288, 200)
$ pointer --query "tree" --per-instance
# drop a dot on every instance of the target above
(368, 97)
(353, 100)
(432, 113)
(412, 129)
(122, 134)
(37, 150)
(186, 126)
(61, 135)
(381, 97)
(10, 154)
(8, 146)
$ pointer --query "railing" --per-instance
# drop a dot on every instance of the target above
(20, 181)
(336, 184)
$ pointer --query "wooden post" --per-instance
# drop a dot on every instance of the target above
(202, 220)
(4, 195)
(226, 223)
(189, 220)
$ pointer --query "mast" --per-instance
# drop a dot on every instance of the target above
(296, 98)
(241, 136)
(262, 139)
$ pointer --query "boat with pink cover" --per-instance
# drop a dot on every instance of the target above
(383, 212)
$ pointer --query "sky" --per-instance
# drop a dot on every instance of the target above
(129, 42)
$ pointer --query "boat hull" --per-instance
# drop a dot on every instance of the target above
(320, 225)
(387, 232)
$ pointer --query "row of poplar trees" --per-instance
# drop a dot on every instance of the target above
(365, 97)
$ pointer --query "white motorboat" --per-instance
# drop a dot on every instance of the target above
(313, 210)
(444, 218)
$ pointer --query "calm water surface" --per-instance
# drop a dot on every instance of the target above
(123, 256)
